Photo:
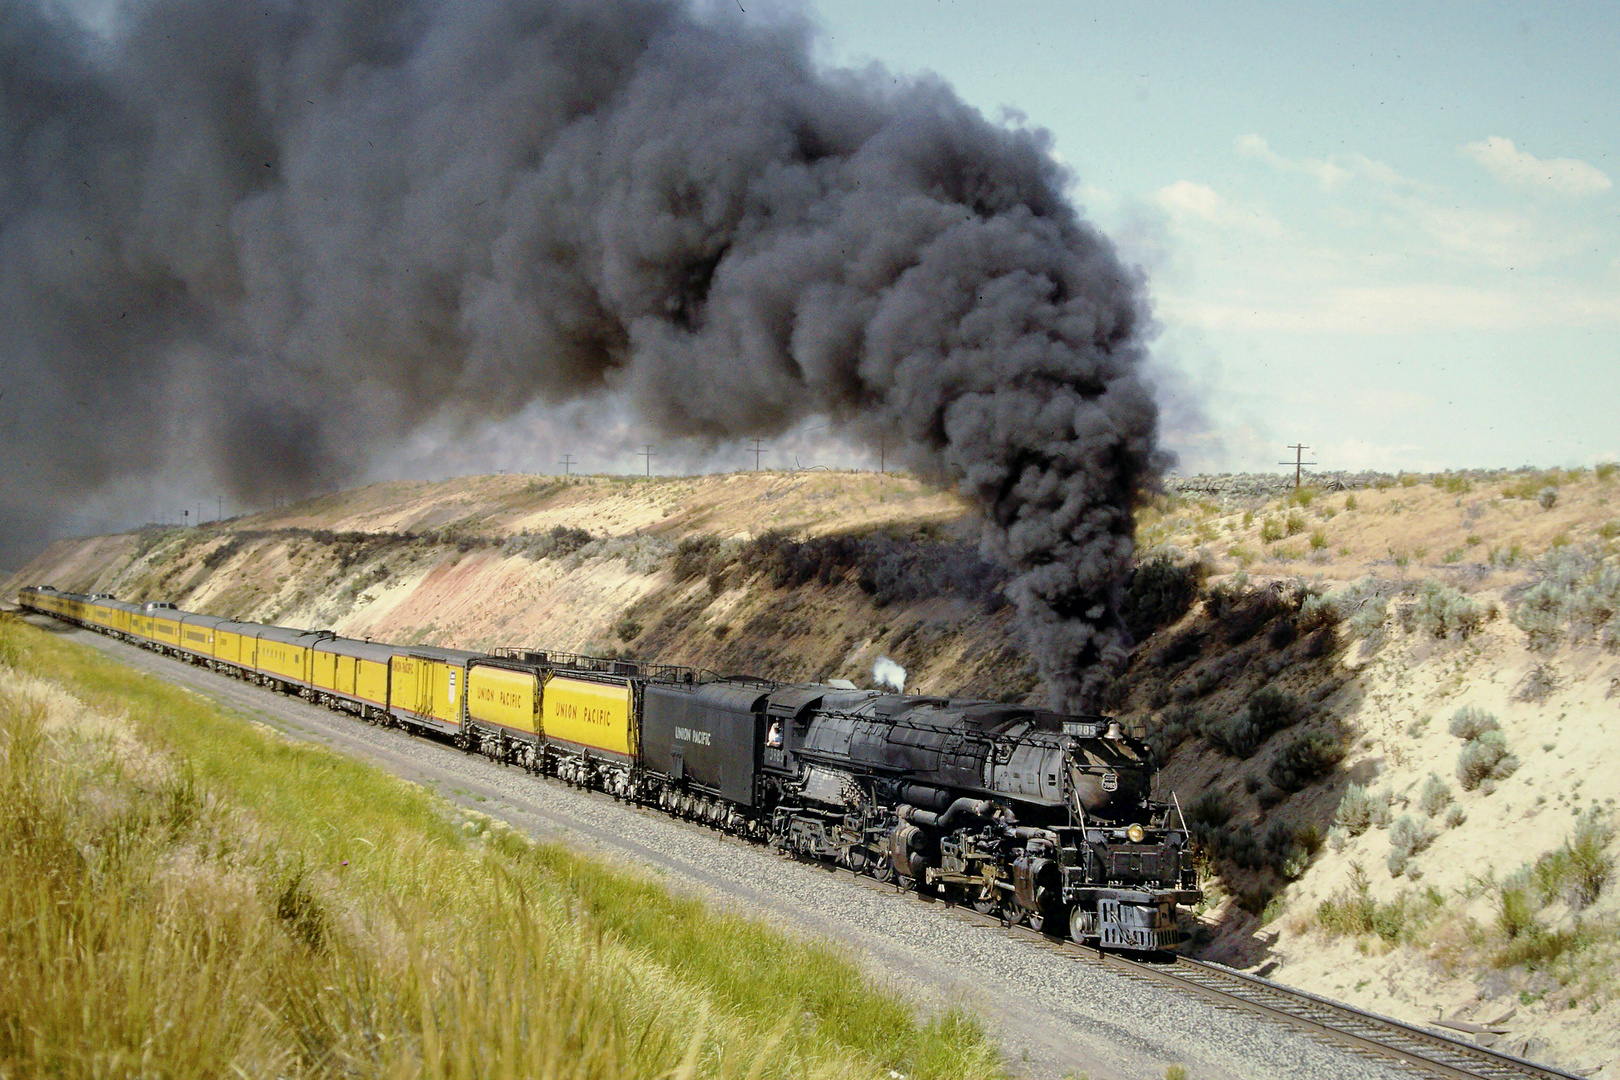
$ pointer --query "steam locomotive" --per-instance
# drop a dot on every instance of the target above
(1040, 818)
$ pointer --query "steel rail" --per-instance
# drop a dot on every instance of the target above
(1430, 1053)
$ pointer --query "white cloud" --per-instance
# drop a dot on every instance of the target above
(1186, 201)
(1372, 309)
(1560, 176)
(1325, 173)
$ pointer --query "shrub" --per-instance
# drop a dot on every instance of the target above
(1578, 871)
(1455, 816)
(1596, 602)
(1407, 837)
(626, 628)
(1354, 912)
(1356, 810)
(1471, 721)
(1538, 682)
(1485, 758)
(1349, 502)
(694, 557)
(1295, 523)
(1547, 497)
(1304, 761)
(1541, 613)
(1271, 531)
(1159, 592)
(1436, 795)
(1515, 910)
(1443, 611)
(1210, 809)
(1282, 634)
(1239, 735)
(560, 541)
(1289, 850)
(1241, 846)
(1243, 611)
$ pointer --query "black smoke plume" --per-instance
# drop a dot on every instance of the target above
(258, 243)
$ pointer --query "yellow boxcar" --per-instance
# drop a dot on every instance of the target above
(425, 685)
(499, 697)
(595, 716)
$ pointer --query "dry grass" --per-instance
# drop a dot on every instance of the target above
(187, 894)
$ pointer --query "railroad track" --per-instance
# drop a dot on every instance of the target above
(1427, 1053)
(1423, 1052)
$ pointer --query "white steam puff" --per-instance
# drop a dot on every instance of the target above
(888, 673)
(265, 241)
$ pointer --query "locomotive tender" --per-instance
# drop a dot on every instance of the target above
(1037, 817)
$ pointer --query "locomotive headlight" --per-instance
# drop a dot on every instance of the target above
(1135, 832)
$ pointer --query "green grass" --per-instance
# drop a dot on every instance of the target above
(190, 894)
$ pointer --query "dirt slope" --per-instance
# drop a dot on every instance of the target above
(1374, 614)
(1483, 921)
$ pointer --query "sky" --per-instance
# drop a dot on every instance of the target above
(1389, 232)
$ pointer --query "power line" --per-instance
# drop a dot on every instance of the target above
(647, 452)
(756, 451)
(1298, 463)
(567, 463)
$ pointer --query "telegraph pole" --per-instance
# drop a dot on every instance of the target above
(756, 451)
(1298, 463)
(567, 463)
(647, 452)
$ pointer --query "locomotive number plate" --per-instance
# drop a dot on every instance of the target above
(1110, 781)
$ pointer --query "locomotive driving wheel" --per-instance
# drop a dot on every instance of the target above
(986, 899)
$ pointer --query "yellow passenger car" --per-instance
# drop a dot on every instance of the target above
(236, 646)
(352, 674)
(284, 657)
(162, 624)
(197, 635)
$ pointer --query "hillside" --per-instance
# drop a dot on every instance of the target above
(1302, 659)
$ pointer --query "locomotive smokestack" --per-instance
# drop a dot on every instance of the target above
(259, 247)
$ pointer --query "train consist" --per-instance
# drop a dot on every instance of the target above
(1041, 818)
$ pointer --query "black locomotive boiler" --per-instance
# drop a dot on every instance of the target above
(1042, 818)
